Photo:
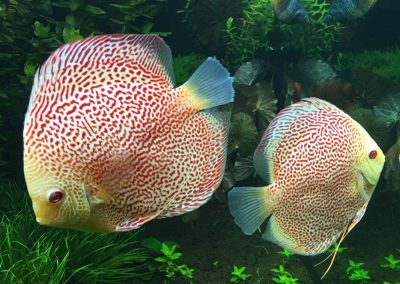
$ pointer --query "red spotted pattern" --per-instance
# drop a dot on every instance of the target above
(103, 111)
(313, 146)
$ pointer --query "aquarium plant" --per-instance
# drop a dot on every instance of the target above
(207, 19)
(166, 259)
(185, 65)
(238, 274)
(391, 263)
(356, 273)
(30, 253)
(248, 33)
(281, 276)
(315, 39)
(335, 248)
(382, 62)
(285, 253)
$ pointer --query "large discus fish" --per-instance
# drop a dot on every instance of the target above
(110, 143)
(322, 167)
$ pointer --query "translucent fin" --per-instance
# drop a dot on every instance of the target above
(290, 11)
(209, 86)
(342, 10)
(250, 206)
(264, 167)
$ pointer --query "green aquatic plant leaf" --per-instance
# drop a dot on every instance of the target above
(184, 66)
(30, 253)
(249, 72)
(167, 262)
(384, 63)
(238, 274)
(389, 109)
(335, 248)
(243, 135)
(353, 266)
(246, 34)
(258, 99)
(208, 18)
(285, 253)
(391, 262)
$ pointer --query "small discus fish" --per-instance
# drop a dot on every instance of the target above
(293, 11)
(322, 168)
(110, 143)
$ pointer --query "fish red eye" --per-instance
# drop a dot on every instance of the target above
(373, 154)
(55, 196)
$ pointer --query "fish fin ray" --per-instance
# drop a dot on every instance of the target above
(264, 168)
(250, 207)
(209, 86)
(342, 10)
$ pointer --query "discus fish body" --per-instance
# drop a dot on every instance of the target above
(110, 144)
(322, 168)
(293, 11)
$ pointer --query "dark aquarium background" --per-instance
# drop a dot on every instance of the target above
(354, 64)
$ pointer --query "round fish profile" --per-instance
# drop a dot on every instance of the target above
(110, 143)
(322, 168)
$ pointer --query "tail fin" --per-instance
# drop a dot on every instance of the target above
(209, 86)
(250, 207)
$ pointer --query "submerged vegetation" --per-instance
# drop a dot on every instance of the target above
(30, 253)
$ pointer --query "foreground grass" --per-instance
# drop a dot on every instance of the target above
(30, 253)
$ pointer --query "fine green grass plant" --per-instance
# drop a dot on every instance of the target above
(30, 253)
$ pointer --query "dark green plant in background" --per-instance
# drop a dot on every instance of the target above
(184, 66)
(249, 33)
(30, 253)
(257, 31)
(384, 63)
(315, 39)
(208, 18)
(31, 30)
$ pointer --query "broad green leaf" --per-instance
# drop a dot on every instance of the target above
(93, 10)
(243, 134)
(41, 30)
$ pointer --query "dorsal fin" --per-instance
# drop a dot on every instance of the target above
(150, 51)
